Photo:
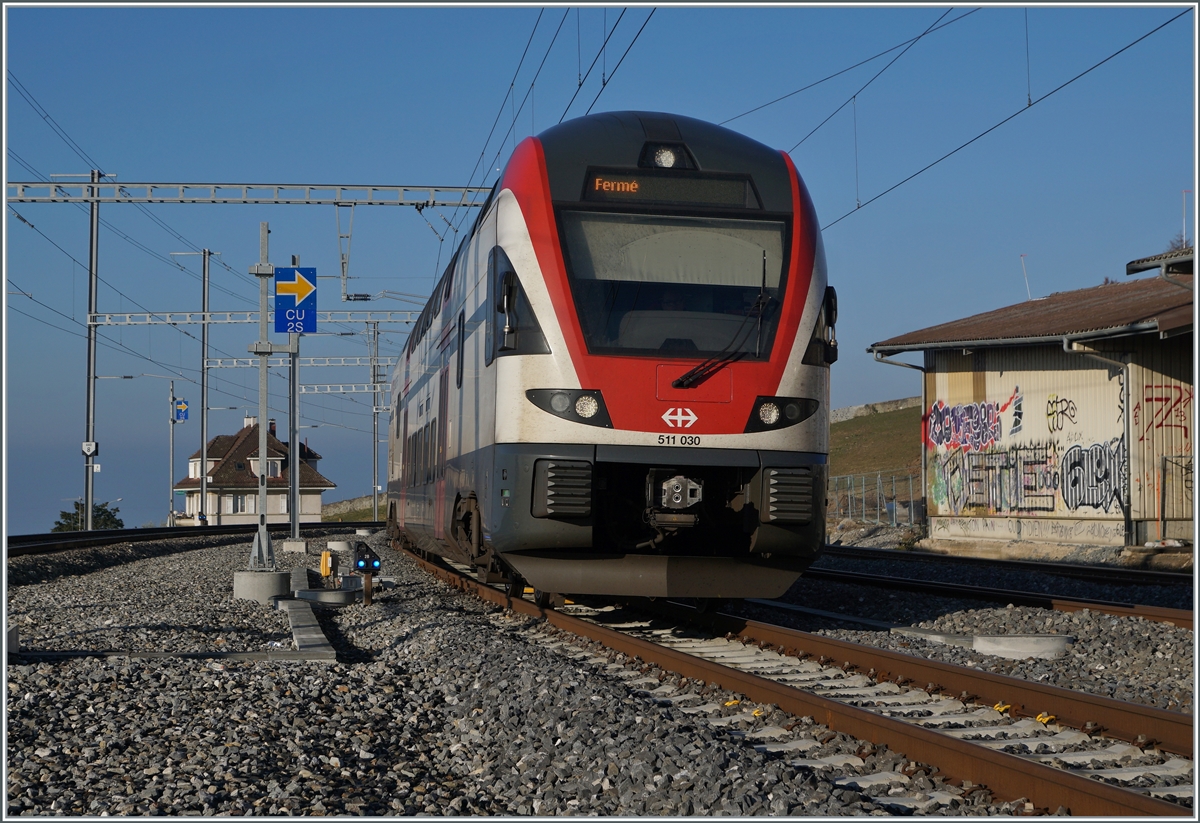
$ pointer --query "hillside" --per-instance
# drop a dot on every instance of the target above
(888, 442)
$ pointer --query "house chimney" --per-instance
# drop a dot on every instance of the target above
(271, 426)
(249, 421)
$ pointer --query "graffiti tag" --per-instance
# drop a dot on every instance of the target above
(1091, 476)
(1059, 410)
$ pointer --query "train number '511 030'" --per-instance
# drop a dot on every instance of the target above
(679, 440)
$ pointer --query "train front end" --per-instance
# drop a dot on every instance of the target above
(663, 332)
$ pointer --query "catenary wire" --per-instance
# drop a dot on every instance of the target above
(604, 85)
(1022, 110)
(869, 82)
(595, 59)
(843, 71)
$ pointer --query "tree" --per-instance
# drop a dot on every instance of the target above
(102, 518)
(1178, 243)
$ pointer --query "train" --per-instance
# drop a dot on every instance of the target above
(620, 384)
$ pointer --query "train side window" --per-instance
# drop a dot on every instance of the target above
(462, 339)
(489, 314)
(425, 453)
(433, 450)
(517, 330)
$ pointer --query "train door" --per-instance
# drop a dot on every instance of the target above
(439, 455)
(402, 445)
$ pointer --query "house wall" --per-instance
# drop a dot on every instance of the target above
(1029, 442)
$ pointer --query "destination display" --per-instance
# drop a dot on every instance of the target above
(648, 186)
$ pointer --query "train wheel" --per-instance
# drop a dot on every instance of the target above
(543, 600)
(516, 587)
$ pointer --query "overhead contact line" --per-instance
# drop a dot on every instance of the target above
(1015, 114)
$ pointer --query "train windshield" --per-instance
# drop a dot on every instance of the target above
(675, 286)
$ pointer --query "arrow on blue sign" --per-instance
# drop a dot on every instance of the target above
(296, 300)
(181, 410)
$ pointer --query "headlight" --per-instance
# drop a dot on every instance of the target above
(664, 158)
(577, 405)
(586, 406)
(768, 413)
(771, 413)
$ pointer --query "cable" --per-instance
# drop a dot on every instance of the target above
(619, 62)
(869, 82)
(1010, 117)
(532, 82)
(521, 62)
(50, 121)
(589, 71)
(843, 71)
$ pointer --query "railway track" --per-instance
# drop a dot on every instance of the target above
(1177, 617)
(1095, 574)
(32, 544)
(1053, 746)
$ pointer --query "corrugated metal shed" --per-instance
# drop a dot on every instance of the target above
(1146, 305)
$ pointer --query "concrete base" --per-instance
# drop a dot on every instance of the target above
(328, 597)
(364, 532)
(1011, 646)
(295, 546)
(261, 586)
(339, 546)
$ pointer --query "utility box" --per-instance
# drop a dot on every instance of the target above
(329, 564)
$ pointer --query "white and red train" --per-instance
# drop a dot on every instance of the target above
(621, 382)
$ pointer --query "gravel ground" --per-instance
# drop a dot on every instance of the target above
(1125, 658)
(438, 704)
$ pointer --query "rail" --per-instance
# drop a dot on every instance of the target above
(1005, 774)
(27, 544)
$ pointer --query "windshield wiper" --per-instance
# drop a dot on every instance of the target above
(713, 364)
(761, 304)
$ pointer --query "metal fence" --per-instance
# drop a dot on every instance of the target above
(883, 498)
(1176, 490)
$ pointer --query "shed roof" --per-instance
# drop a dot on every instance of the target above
(1176, 261)
(1148, 304)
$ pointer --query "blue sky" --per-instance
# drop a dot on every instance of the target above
(1081, 183)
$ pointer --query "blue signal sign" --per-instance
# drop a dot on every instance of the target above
(296, 300)
(181, 410)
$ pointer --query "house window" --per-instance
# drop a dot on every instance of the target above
(241, 467)
(240, 503)
(283, 501)
(273, 467)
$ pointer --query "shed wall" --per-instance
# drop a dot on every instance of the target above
(1162, 425)
(1024, 443)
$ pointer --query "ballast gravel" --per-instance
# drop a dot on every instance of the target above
(1126, 658)
(438, 704)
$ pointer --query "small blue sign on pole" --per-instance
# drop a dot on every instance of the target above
(181, 411)
(296, 300)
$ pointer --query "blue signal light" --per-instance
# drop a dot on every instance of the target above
(375, 564)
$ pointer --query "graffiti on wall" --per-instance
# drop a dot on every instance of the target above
(1028, 479)
(1165, 406)
(1018, 479)
(1059, 411)
(1092, 476)
(970, 426)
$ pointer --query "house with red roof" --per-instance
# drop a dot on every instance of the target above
(233, 468)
